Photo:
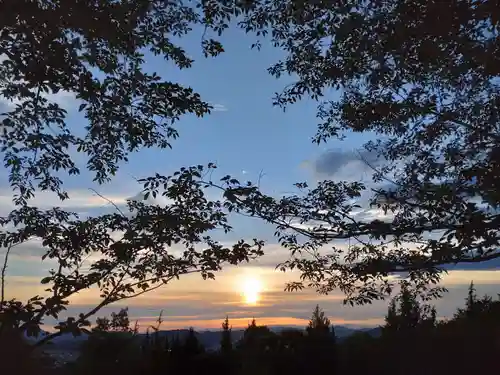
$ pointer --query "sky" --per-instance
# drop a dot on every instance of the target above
(246, 137)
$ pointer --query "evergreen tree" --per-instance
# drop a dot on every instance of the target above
(226, 344)
(110, 345)
(319, 323)
(333, 335)
(410, 309)
(256, 337)
(320, 342)
(391, 319)
(405, 313)
(471, 301)
(473, 306)
(192, 346)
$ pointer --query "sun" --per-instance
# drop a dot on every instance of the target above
(251, 290)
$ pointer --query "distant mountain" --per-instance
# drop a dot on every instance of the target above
(209, 339)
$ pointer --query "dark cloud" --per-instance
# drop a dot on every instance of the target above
(333, 162)
(493, 264)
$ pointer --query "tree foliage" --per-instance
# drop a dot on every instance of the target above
(319, 323)
(406, 313)
(226, 342)
(119, 322)
(458, 345)
(421, 80)
(421, 77)
(94, 53)
(109, 346)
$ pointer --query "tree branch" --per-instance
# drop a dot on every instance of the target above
(4, 269)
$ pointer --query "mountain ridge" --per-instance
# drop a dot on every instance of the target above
(210, 339)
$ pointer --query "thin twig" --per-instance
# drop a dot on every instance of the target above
(261, 175)
(364, 160)
(109, 201)
(4, 269)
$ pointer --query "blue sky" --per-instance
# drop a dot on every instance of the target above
(245, 135)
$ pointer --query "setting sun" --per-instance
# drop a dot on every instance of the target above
(251, 290)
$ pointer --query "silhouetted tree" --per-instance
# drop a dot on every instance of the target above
(391, 319)
(319, 323)
(226, 343)
(119, 322)
(406, 313)
(420, 79)
(17, 356)
(192, 347)
(111, 346)
(472, 305)
(320, 342)
(94, 52)
(256, 348)
(290, 356)
(257, 337)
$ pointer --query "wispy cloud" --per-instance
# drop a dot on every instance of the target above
(217, 107)
(64, 99)
(205, 303)
(79, 198)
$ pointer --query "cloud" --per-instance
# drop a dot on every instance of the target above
(482, 277)
(493, 264)
(65, 99)
(78, 198)
(191, 301)
(219, 107)
(346, 163)
(205, 309)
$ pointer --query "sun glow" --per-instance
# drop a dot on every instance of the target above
(251, 290)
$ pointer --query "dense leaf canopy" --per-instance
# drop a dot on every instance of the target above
(94, 52)
(421, 78)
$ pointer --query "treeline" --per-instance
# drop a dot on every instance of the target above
(414, 342)
(115, 347)
(411, 342)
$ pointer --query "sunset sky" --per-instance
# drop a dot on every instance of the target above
(246, 137)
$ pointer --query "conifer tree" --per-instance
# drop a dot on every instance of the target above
(471, 301)
(320, 342)
(319, 323)
(226, 344)
(192, 346)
